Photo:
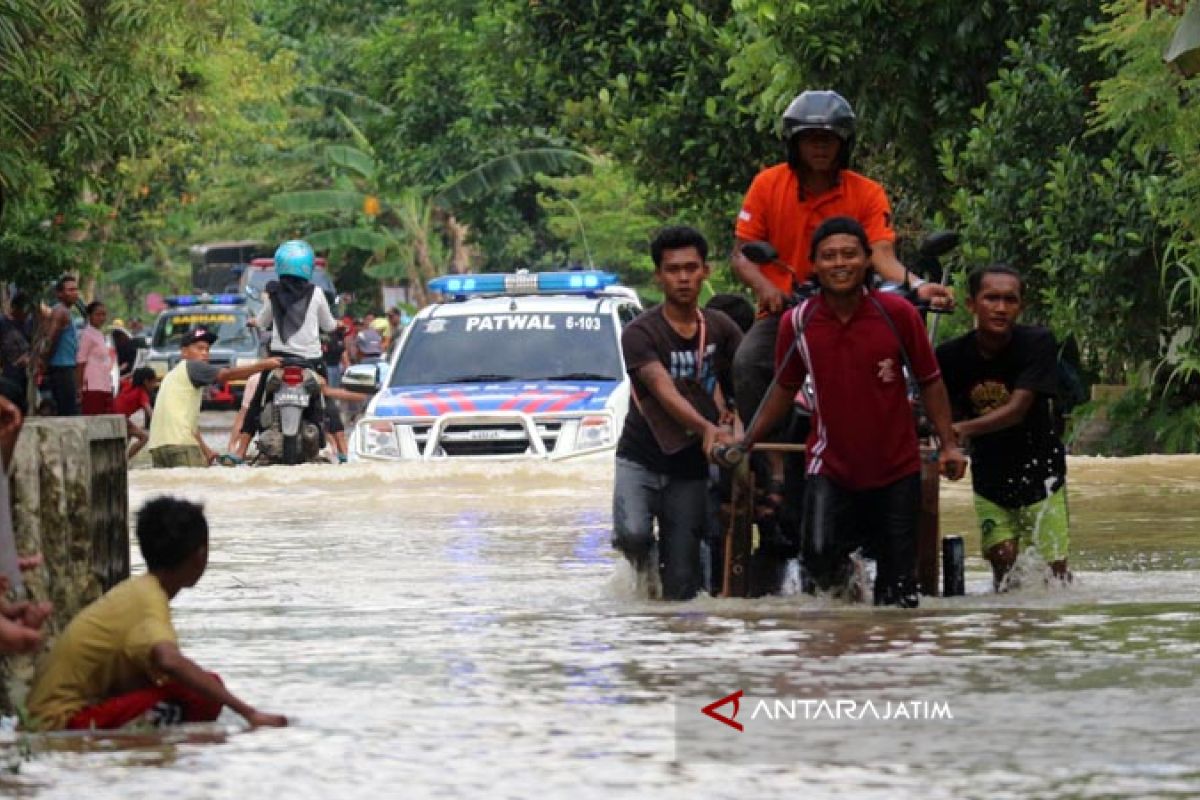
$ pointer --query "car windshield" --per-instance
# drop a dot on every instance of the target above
(509, 346)
(258, 278)
(230, 327)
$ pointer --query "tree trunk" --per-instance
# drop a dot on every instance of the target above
(460, 251)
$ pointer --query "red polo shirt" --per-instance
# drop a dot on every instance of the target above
(774, 212)
(862, 436)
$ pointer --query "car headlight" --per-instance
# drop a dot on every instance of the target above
(378, 439)
(594, 432)
(244, 361)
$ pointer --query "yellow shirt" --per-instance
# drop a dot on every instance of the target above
(104, 652)
(176, 409)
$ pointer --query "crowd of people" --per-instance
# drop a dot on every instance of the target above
(866, 365)
(705, 390)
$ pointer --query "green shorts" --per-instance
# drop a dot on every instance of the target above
(1043, 526)
(178, 455)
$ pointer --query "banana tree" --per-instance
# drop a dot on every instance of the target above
(407, 231)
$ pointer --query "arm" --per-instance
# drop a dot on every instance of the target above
(167, 658)
(81, 359)
(767, 294)
(324, 317)
(1011, 413)
(657, 380)
(937, 406)
(236, 430)
(885, 262)
(237, 373)
(59, 319)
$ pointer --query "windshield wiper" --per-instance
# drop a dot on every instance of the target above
(580, 376)
(478, 378)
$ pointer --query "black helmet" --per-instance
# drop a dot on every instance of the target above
(819, 110)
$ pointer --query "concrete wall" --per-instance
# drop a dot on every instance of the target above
(71, 504)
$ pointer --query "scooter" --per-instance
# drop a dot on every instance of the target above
(291, 403)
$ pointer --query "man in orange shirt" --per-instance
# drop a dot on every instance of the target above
(784, 206)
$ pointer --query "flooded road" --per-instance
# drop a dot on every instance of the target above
(465, 631)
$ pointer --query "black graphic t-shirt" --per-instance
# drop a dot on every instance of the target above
(651, 338)
(1021, 465)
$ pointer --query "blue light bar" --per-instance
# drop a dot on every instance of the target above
(585, 282)
(184, 300)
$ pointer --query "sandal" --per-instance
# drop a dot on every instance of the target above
(230, 460)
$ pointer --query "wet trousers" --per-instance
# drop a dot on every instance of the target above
(680, 506)
(168, 704)
(881, 522)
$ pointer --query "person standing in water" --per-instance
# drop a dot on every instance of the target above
(1003, 380)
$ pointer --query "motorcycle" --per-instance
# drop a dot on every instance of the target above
(291, 419)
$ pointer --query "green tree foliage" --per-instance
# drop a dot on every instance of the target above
(643, 81)
(1154, 113)
(1071, 210)
(604, 218)
(110, 108)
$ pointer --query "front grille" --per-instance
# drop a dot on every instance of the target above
(462, 439)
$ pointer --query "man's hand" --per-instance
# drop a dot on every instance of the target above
(769, 298)
(714, 436)
(952, 462)
(274, 362)
(938, 296)
(259, 719)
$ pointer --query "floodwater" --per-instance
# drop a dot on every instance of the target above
(465, 631)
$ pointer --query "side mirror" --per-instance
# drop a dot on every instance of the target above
(139, 342)
(937, 244)
(760, 252)
(362, 378)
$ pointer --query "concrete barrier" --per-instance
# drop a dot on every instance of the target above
(70, 498)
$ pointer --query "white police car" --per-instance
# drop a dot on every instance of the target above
(524, 365)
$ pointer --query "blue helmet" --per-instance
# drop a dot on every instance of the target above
(295, 258)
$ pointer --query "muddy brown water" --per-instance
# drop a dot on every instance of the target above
(465, 631)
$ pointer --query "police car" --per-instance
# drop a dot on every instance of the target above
(512, 366)
(226, 314)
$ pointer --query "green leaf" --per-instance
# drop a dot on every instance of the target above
(351, 158)
(358, 238)
(508, 170)
(318, 201)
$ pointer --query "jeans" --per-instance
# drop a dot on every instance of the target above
(681, 508)
(883, 522)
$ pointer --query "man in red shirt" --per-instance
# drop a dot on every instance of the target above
(784, 206)
(863, 487)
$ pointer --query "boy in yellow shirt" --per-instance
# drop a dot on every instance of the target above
(119, 659)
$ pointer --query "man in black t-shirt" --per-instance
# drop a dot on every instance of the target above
(1002, 379)
(678, 358)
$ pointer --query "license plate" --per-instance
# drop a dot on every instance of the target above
(291, 397)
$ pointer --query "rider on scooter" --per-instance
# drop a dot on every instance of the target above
(784, 206)
(296, 312)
